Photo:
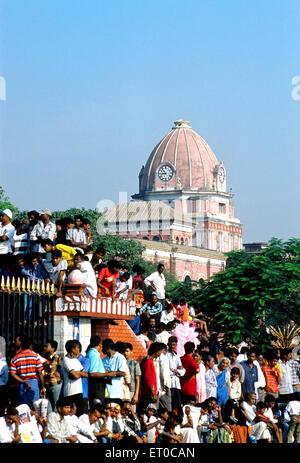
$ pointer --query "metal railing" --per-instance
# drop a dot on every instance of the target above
(26, 307)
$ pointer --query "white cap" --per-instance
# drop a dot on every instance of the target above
(7, 212)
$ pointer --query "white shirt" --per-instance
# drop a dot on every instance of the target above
(6, 431)
(167, 317)
(85, 431)
(44, 232)
(54, 271)
(9, 231)
(158, 281)
(261, 378)
(71, 386)
(235, 390)
(269, 414)
(250, 412)
(174, 364)
(78, 236)
(89, 277)
(293, 407)
(163, 337)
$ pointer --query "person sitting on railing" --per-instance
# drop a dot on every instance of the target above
(122, 286)
(57, 270)
(68, 252)
(80, 263)
(34, 270)
(107, 279)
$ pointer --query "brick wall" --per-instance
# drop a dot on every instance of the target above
(119, 332)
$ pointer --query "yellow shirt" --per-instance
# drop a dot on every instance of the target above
(68, 253)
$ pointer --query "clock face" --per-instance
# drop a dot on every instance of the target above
(165, 173)
(221, 174)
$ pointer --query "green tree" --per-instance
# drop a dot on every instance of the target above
(254, 291)
(5, 202)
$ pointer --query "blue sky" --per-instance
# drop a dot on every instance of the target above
(92, 86)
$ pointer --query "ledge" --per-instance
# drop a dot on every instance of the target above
(76, 303)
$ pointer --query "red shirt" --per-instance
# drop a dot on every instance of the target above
(148, 378)
(189, 386)
(106, 278)
(26, 364)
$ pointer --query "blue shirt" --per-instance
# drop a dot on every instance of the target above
(36, 273)
(85, 385)
(116, 362)
(96, 365)
(251, 377)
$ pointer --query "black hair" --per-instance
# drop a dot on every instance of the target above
(172, 339)
(125, 275)
(78, 217)
(235, 370)
(12, 411)
(34, 213)
(108, 344)
(52, 343)
(95, 341)
(100, 250)
(71, 343)
(46, 241)
(114, 263)
(260, 405)
(120, 347)
(129, 346)
(63, 402)
(57, 253)
(189, 347)
(25, 342)
(270, 398)
(154, 347)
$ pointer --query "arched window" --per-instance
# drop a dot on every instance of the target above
(145, 238)
(156, 238)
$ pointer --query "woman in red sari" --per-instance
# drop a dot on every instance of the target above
(148, 389)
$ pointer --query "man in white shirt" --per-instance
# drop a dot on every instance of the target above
(157, 282)
(89, 274)
(77, 235)
(293, 410)
(9, 427)
(167, 314)
(73, 371)
(7, 231)
(45, 229)
(176, 371)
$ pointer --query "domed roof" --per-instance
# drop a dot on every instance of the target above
(184, 157)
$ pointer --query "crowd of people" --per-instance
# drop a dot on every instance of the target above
(182, 391)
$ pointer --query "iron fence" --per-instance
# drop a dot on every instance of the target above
(27, 308)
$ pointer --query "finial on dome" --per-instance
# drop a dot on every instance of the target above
(181, 123)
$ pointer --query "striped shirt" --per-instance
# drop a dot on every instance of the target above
(26, 364)
(20, 243)
(272, 379)
(152, 309)
(44, 232)
(295, 372)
